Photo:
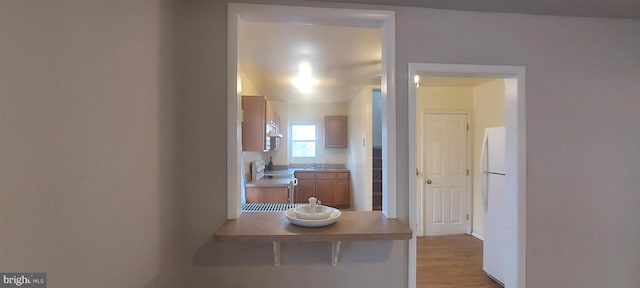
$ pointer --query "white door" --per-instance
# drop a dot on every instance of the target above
(446, 174)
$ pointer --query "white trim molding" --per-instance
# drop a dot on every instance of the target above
(234, 114)
(477, 236)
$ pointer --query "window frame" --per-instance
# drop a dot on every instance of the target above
(291, 140)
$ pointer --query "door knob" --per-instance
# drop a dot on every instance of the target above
(428, 181)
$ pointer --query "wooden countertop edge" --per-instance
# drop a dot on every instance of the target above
(320, 170)
(265, 184)
(311, 238)
(268, 227)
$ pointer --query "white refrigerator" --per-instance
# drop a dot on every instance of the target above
(496, 215)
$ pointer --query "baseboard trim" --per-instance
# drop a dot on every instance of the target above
(474, 234)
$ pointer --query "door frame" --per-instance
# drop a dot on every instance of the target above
(421, 225)
(516, 151)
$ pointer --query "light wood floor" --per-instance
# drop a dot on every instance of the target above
(451, 261)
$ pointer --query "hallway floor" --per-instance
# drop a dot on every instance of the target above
(451, 262)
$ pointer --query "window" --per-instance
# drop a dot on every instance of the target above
(303, 140)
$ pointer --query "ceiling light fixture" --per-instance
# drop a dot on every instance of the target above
(416, 79)
(304, 81)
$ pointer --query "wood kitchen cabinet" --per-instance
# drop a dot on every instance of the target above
(267, 194)
(332, 188)
(335, 132)
(326, 192)
(254, 123)
(343, 197)
(306, 187)
(258, 118)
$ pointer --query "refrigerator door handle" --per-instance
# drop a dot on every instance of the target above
(483, 169)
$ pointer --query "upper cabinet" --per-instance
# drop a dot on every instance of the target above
(258, 119)
(335, 131)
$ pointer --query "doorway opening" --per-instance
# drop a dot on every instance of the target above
(384, 21)
(512, 80)
(376, 149)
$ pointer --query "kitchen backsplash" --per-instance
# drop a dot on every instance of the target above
(317, 165)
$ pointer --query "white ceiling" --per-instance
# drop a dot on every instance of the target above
(343, 59)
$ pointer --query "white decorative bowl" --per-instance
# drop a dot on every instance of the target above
(333, 217)
(321, 212)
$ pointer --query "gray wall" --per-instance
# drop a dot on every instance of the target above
(88, 185)
(583, 148)
(363, 264)
(108, 176)
(582, 141)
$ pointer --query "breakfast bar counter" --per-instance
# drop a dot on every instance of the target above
(274, 227)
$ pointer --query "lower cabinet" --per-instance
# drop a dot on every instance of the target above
(343, 197)
(326, 192)
(267, 194)
(304, 191)
(306, 187)
(332, 188)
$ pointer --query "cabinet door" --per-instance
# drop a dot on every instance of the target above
(342, 194)
(326, 192)
(335, 132)
(253, 113)
(304, 190)
(267, 194)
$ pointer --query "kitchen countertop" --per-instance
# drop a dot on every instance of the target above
(281, 172)
(327, 170)
(291, 171)
(275, 182)
(281, 181)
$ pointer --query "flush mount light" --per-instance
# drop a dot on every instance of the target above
(304, 81)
